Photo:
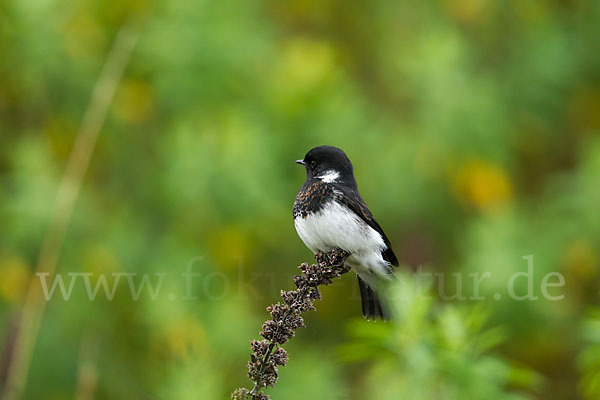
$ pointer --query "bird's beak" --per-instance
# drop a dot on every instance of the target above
(301, 162)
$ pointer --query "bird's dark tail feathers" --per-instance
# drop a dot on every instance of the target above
(372, 308)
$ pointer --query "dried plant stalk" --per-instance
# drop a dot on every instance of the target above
(267, 354)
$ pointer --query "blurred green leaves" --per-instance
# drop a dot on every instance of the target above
(473, 127)
(434, 351)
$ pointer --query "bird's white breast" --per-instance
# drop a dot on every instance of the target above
(335, 225)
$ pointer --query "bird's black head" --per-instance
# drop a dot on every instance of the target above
(329, 164)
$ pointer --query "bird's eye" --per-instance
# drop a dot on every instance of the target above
(313, 164)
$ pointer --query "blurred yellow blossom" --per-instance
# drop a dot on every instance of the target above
(583, 110)
(83, 35)
(580, 260)
(185, 336)
(482, 185)
(304, 65)
(529, 10)
(133, 101)
(14, 278)
(231, 246)
(469, 12)
(98, 259)
(59, 131)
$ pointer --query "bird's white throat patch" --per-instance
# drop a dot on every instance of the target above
(329, 176)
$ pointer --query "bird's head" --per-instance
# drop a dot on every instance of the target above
(328, 164)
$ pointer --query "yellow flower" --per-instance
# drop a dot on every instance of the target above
(469, 12)
(231, 248)
(185, 336)
(304, 66)
(580, 260)
(133, 101)
(14, 278)
(482, 185)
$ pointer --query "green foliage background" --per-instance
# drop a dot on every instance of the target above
(474, 129)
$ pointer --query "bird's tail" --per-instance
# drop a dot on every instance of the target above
(372, 308)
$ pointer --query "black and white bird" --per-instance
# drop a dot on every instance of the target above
(329, 213)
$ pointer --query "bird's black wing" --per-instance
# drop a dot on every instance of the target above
(354, 202)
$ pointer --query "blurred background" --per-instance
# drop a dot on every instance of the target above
(473, 126)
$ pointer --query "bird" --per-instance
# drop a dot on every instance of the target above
(329, 213)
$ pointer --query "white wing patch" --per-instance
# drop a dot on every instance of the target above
(329, 176)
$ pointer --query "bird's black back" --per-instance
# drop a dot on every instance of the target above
(352, 199)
